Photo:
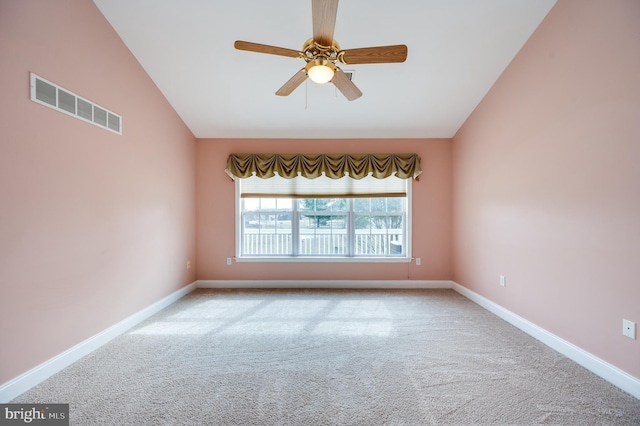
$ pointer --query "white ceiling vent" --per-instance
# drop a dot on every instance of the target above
(49, 94)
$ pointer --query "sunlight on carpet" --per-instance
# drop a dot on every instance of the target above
(331, 357)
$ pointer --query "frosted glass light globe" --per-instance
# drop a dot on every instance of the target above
(319, 72)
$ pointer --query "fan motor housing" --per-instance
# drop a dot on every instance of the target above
(312, 51)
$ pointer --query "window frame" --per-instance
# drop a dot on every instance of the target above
(319, 258)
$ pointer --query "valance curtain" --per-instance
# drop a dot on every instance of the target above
(334, 166)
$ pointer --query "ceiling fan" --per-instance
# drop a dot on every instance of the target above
(322, 53)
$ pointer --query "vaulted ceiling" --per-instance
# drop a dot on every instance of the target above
(456, 51)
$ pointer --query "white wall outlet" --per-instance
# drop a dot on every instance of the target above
(503, 281)
(629, 328)
(418, 261)
(229, 261)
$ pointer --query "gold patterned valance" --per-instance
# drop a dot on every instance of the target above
(334, 166)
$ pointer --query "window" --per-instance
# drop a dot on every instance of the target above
(340, 207)
(337, 228)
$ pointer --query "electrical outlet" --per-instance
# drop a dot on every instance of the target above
(188, 264)
(629, 328)
(503, 281)
(418, 261)
(229, 261)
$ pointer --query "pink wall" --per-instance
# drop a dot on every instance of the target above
(541, 186)
(93, 226)
(546, 181)
(431, 212)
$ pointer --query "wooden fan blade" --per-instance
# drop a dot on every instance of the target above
(375, 55)
(263, 48)
(293, 83)
(324, 21)
(346, 86)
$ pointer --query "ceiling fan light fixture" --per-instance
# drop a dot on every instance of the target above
(320, 70)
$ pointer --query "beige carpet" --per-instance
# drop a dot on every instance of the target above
(331, 357)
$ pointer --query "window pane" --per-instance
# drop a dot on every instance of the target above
(267, 227)
(363, 221)
(369, 243)
(250, 204)
(323, 235)
(284, 203)
(257, 242)
(283, 218)
(251, 220)
(339, 205)
(267, 234)
(395, 222)
(323, 226)
(307, 204)
(394, 204)
(378, 204)
(267, 221)
(267, 203)
(337, 222)
(378, 235)
(319, 221)
(378, 222)
(374, 243)
(323, 204)
(395, 247)
(362, 204)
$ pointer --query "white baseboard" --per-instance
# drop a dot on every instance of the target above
(610, 373)
(26, 381)
(334, 284)
(614, 375)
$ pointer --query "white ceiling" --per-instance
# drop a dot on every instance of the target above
(457, 50)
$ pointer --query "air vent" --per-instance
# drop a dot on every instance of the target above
(348, 73)
(49, 94)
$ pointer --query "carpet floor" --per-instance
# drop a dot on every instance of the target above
(330, 357)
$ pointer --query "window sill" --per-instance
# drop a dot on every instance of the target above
(317, 259)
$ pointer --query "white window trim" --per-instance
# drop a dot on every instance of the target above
(319, 259)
